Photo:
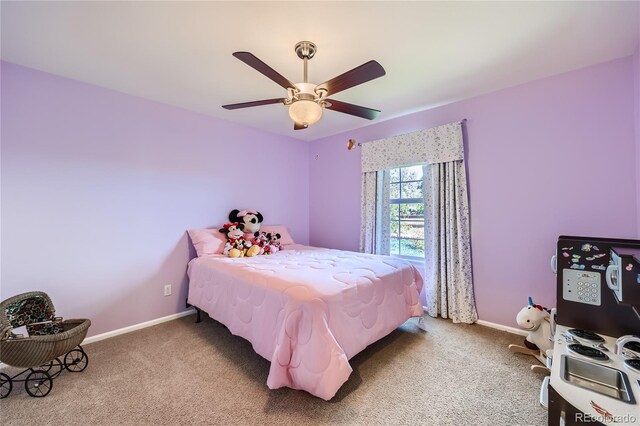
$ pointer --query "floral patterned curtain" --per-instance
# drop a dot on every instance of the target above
(368, 204)
(437, 145)
(448, 281)
(383, 231)
(374, 205)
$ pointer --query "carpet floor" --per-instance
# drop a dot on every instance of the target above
(180, 372)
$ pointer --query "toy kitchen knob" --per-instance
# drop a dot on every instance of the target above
(623, 340)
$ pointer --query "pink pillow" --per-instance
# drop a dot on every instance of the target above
(285, 237)
(207, 241)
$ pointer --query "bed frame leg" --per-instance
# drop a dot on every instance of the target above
(198, 311)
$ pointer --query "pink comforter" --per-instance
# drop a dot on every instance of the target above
(307, 310)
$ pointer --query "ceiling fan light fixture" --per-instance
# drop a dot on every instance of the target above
(305, 112)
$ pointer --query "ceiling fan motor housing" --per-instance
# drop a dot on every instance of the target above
(307, 91)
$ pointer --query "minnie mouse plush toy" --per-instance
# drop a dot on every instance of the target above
(237, 245)
(273, 241)
(251, 219)
(261, 241)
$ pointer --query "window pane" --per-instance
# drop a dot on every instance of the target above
(412, 211)
(394, 211)
(412, 190)
(394, 191)
(394, 246)
(406, 219)
(394, 228)
(412, 248)
(412, 173)
(412, 229)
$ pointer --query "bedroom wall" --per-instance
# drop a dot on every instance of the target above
(636, 79)
(550, 157)
(98, 188)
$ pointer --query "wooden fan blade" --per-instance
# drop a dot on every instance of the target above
(357, 110)
(254, 103)
(354, 77)
(297, 126)
(261, 67)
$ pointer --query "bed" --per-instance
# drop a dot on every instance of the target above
(308, 310)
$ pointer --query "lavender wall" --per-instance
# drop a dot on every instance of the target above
(99, 187)
(554, 156)
(636, 79)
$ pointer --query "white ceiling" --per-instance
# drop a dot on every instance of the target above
(434, 53)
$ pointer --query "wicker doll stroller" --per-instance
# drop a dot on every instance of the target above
(52, 345)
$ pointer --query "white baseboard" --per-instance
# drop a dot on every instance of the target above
(497, 326)
(503, 327)
(130, 328)
(135, 327)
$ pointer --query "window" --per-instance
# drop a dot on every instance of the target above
(406, 212)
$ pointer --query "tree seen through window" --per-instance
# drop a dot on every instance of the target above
(406, 207)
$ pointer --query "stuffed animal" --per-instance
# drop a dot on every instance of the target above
(535, 319)
(273, 244)
(538, 343)
(237, 245)
(251, 219)
(261, 241)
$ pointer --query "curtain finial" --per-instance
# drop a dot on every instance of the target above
(351, 144)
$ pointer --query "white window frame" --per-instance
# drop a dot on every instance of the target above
(399, 201)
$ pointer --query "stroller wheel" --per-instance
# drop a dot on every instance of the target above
(5, 385)
(47, 367)
(50, 365)
(38, 383)
(76, 360)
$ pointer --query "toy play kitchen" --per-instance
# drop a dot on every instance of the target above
(595, 368)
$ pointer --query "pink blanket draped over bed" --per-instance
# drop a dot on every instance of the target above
(307, 310)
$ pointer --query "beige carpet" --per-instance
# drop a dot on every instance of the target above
(185, 373)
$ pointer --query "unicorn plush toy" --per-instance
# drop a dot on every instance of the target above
(538, 343)
(535, 319)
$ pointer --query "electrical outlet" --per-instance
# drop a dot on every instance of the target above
(167, 290)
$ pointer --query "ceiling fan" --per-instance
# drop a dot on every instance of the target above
(307, 100)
